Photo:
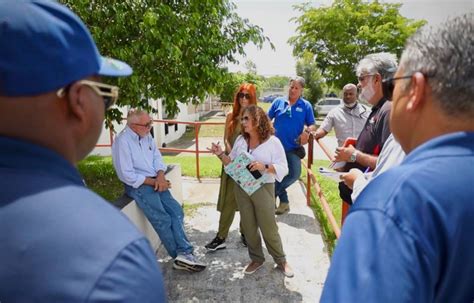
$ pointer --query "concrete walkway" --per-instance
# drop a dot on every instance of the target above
(223, 280)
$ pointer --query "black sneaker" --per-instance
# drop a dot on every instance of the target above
(244, 241)
(216, 244)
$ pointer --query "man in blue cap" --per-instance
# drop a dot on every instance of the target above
(59, 241)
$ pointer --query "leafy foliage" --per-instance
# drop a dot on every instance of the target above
(275, 82)
(231, 82)
(340, 35)
(176, 48)
(309, 70)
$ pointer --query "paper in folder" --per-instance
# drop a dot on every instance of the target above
(238, 171)
(336, 176)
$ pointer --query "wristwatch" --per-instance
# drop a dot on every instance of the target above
(354, 156)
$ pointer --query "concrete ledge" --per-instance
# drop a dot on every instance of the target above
(135, 214)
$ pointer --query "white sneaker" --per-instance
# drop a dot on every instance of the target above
(188, 262)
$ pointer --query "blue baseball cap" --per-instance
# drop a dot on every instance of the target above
(44, 46)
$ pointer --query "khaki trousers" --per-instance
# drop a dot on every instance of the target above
(258, 212)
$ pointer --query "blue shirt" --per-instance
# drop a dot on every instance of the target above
(60, 242)
(409, 237)
(289, 121)
(136, 158)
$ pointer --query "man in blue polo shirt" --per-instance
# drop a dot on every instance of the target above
(409, 236)
(293, 119)
(60, 242)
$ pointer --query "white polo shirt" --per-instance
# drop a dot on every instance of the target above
(346, 122)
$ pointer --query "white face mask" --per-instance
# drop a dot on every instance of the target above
(350, 105)
(367, 92)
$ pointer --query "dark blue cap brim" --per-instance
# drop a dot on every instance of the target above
(114, 68)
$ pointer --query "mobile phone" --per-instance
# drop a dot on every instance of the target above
(256, 174)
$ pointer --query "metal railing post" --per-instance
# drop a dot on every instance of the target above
(308, 177)
(197, 126)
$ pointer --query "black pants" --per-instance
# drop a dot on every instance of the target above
(345, 193)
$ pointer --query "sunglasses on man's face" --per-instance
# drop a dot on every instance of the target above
(109, 93)
(243, 95)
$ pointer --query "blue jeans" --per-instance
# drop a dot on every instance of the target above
(165, 215)
(294, 172)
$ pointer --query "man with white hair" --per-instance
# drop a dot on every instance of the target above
(409, 236)
(371, 70)
(347, 119)
(139, 165)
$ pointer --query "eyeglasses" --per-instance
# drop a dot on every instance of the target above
(362, 78)
(244, 119)
(147, 125)
(390, 81)
(242, 95)
(109, 93)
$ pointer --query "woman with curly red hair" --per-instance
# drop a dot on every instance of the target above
(245, 95)
(257, 211)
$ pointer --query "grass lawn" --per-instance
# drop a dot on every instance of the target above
(214, 131)
(331, 193)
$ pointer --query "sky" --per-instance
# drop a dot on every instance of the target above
(274, 17)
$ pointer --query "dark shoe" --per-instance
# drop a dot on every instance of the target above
(285, 269)
(244, 241)
(282, 208)
(252, 267)
(216, 244)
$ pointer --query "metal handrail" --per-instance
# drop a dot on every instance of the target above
(311, 180)
(197, 125)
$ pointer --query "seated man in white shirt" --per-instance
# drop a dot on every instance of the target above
(347, 120)
(139, 165)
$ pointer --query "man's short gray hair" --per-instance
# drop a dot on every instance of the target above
(445, 55)
(384, 64)
(299, 79)
(133, 115)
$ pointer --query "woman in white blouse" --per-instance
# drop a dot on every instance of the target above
(257, 211)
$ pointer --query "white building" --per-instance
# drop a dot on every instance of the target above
(164, 133)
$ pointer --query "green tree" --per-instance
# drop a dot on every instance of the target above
(309, 70)
(275, 82)
(340, 35)
(176, 48)
(231, 82)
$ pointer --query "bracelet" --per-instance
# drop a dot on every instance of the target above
(220, 155)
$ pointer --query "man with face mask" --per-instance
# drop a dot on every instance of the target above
(347, 119)
(370, 71)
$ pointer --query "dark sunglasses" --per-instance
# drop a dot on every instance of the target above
(246, 119)
(242, 95)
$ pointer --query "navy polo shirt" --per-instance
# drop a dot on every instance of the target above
(375, 132)
(289, 121)
(60, 242)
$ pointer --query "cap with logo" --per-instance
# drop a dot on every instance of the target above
(45, 46)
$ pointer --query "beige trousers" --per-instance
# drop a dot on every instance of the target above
(258, 212)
